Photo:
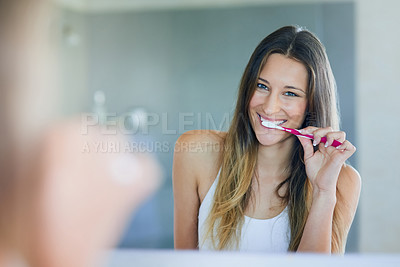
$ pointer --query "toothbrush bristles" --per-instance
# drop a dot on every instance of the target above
(272, 125)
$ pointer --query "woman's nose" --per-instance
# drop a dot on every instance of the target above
(272, 104)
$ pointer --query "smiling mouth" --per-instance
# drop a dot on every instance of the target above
(277, 122)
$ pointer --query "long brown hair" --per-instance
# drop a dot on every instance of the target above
(241, 145)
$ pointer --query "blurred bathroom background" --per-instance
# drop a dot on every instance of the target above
(160, 68)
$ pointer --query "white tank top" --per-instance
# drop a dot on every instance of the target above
(266, 235)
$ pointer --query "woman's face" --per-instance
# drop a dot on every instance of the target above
(280, 97)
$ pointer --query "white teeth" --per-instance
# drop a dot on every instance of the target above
(269, 124)
(273, 122)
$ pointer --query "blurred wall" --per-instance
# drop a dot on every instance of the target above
(184, 67)
(377, 97)
(71, 29)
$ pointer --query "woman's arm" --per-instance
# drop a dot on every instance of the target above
(336, 190)
(186, 199)
(197, 159)
(317, 235)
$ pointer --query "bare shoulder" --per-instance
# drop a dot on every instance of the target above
(200, 148)
(349, 178)
(203, 145)
(207, 137)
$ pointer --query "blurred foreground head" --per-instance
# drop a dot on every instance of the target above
(61, 201)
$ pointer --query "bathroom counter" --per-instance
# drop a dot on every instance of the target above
(138, 258)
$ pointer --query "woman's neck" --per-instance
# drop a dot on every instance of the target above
(272, 161)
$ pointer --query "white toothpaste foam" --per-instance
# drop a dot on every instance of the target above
(269, 124)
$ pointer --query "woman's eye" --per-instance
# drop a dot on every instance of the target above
(290, 94)
(262, 86)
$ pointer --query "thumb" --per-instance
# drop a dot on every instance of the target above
(307, 147)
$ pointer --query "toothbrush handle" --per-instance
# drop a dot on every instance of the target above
(335, 143)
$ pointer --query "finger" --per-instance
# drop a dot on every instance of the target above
(319, 133)
(327, 132)
(348, 147)
(307, 147)
(344, 151)
(308, 130)
(330, 149)
(339, 136)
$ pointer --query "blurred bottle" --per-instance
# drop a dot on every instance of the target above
(99, 106)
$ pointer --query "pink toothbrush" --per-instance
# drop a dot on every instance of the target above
(296, 132)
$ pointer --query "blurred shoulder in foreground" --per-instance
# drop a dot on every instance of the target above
(89, 187)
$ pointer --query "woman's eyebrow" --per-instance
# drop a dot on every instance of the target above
(294, 88)
(288, 86)
(263, 80)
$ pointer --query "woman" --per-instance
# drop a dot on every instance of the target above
(260, 189)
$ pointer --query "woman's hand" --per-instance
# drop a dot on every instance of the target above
(323, 166)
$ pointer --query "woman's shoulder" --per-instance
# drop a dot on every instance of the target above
(207, 137)
(201, 151)
(349, 188)
(350, 176)
(202, 145)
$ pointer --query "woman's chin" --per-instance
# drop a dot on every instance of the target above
(271, 140)
(268, 141)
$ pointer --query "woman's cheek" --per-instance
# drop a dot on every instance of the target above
(255, 100)
(297, 113)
